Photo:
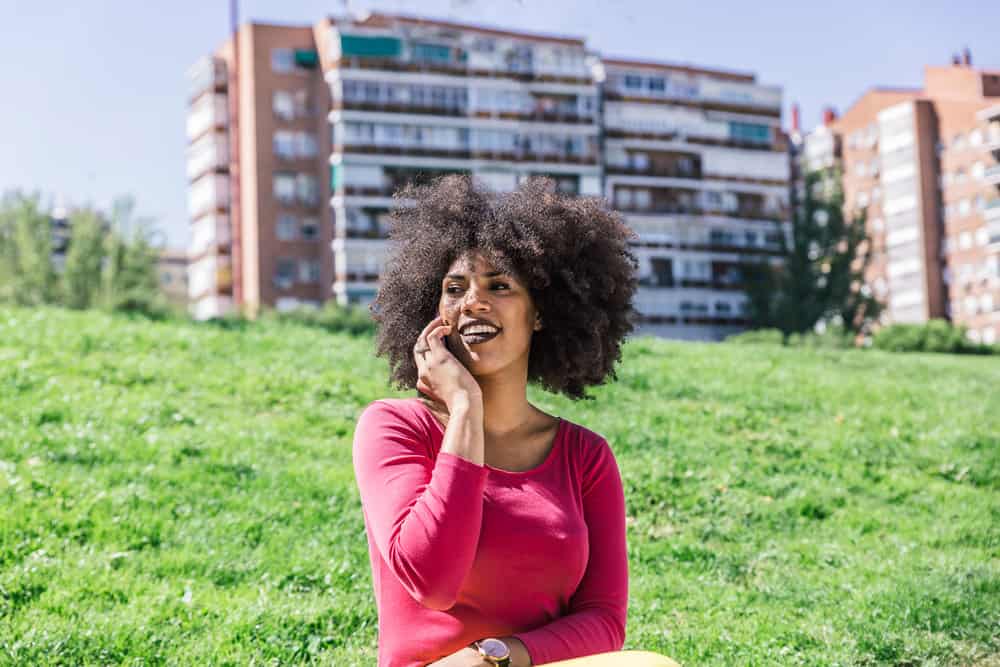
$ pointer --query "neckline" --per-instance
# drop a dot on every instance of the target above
(549, 458)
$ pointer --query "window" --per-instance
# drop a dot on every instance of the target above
(284, 144)
(432, 52)
(723, 308)
(310, 229)
(986, 303)
(643, 199)
(965, 240)
(640, 161)
(632, 81)
(975, 138)
(663, 273)
(282, 60)
(284, 273)
(284, 187)
(283, 105)
(751, 132)
(287, 228)
(861, 168)
(982, 236)
(657, 84)
(958, 141)
(977, 171)
(309, 271)
(307, 189)
(964, 207)
(305, 144)
(623, 197)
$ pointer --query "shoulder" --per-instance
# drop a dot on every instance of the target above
(394, 419)
(589, 446)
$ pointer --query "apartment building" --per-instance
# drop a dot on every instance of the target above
(172, 275)
(412, 99)
(696, 161)
(290, 205)
(921, 164)
(258, 195)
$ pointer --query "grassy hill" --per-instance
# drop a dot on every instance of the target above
(180, 493)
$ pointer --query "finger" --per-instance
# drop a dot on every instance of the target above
(434, 338)
(427, 329)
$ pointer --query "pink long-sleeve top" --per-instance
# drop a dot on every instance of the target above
(461, 551)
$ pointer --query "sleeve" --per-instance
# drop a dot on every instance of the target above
(424, 515)
(595, 622)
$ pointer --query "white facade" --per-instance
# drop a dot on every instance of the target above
(464, 113)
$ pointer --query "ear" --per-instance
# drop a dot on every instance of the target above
(538, 322)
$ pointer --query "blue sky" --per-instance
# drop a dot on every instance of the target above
(93, 98)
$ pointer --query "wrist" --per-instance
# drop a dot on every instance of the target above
(465, 402)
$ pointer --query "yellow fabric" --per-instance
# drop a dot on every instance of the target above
(617, 659)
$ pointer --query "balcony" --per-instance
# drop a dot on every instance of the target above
(208, 74)
(208, 194)
(208, 154)
(208, 113)
(992, 210)
(210, 234)
(212, 274)
(992, 175)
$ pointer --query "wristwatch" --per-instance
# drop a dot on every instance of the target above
(494, 651)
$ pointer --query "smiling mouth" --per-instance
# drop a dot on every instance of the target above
(479, 337)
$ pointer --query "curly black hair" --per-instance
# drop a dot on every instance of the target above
(571, 252)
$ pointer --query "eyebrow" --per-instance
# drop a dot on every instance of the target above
(461, 276)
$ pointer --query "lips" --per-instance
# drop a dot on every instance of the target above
(477, 338)
(478, 331)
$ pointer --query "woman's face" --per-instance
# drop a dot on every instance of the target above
(491, 313)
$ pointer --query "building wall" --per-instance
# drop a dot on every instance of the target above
(953, 154)
(551, 107)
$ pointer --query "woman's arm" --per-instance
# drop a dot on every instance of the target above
(424, 516)
(597, 613)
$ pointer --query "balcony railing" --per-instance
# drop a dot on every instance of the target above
(453, 68)
(462, 153)
(628, 170)
(207, 74)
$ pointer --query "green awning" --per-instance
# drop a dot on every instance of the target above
(372, 47)
(306, 58)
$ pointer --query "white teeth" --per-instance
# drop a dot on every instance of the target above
(480, 329)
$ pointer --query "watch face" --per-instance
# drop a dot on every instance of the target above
(494, 648)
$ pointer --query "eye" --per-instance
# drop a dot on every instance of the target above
(452, 289)
(499, 285)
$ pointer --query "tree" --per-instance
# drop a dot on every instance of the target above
(81, 277)
(27, 276)
(130, 277)
(819, 276)
(109, 264)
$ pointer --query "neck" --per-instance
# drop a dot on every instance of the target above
(505, 403)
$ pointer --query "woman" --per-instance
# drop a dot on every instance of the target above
(496, 531)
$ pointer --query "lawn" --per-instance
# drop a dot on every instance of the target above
(182, 493)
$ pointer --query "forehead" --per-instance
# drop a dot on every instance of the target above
(473, 263)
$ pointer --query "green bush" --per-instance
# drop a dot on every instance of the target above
(354, 320)
(934, 336)
(834, 337)
(757, 337)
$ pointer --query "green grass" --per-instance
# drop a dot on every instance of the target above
(180, 493)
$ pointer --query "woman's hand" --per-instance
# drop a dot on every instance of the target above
(464, 657)
(439, 374)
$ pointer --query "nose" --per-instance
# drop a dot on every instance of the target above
(475, 300)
